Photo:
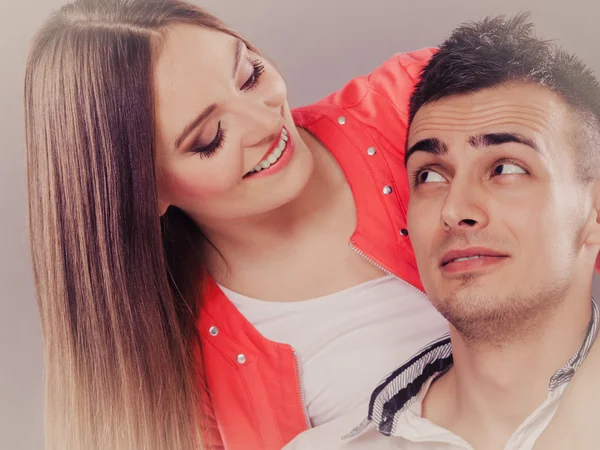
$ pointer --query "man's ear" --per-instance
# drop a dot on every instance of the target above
(593, 231)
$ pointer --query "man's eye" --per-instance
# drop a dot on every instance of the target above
(429, 176)
(508, 169)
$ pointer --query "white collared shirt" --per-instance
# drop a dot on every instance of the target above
(413, 432)
(395, 421)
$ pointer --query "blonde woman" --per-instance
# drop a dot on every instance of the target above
(209, 264)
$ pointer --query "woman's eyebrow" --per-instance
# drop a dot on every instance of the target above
(209, 110)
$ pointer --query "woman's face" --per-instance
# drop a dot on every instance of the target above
(227, 147)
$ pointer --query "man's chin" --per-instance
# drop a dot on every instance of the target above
(465, 288)
(481, 316)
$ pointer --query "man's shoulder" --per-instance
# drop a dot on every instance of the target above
(575, 424)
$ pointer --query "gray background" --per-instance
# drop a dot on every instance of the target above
(319, 45)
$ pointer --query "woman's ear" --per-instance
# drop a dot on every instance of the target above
(162, 207)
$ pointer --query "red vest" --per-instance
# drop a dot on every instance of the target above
(254, 385)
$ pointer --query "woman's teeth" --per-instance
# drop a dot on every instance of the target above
(274, 155)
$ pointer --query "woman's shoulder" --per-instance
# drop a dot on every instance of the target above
(394, 78)
(377, 97)
(400, 72)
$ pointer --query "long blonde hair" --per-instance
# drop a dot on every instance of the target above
(116, 284)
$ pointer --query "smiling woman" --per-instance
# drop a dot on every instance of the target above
(225, 140)
(211, 266)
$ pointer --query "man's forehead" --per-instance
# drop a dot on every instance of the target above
(525, 107)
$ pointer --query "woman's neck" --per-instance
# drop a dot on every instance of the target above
(257, 236)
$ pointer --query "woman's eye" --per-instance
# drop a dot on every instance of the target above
(429, 176)
(206, 151)
(258, 69)
(508, 169)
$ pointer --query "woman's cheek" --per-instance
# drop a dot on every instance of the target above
(201, 183)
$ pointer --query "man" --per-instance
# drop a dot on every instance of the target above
(503, 158)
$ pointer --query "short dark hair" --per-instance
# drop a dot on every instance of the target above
(500, 50)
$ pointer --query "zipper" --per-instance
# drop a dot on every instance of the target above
(297, 366)
(380, 266)
(301, 389)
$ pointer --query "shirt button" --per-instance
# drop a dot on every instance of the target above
(371, 151)
(213, 331)
(387, 190)
(241, 358)
(341, 120)
(404, 232)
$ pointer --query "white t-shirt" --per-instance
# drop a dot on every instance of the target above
(348, 341)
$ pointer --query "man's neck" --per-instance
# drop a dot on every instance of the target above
(492, 389)
(575, 424)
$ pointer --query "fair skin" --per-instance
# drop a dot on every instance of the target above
(288, 224)
(494, 175)
(575, 424)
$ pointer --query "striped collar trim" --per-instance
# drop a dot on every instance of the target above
(401, 387)
(567, 372)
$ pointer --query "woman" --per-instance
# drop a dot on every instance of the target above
(196, 243)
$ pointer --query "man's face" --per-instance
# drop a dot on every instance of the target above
(497, 215)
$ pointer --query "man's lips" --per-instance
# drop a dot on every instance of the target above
(472, 252)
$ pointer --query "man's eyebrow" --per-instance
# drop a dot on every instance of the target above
(430, 145)
(209, 110)
(490, 139)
